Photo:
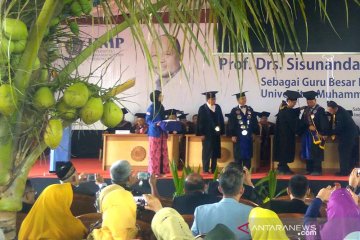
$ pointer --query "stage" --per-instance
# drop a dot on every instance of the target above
(41, 177)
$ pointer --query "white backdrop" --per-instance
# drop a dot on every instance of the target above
(335, 75)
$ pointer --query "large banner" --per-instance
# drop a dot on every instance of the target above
(335, 76)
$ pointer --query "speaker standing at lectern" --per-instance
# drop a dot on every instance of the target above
(210, 126)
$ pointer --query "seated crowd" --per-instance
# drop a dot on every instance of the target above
(227, 217)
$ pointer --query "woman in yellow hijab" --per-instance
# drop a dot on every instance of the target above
(265, 224)
(51, 218)
(118, 210)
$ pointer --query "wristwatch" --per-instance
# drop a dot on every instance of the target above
(351, 188)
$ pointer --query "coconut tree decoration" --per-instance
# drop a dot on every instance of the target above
(38, 100)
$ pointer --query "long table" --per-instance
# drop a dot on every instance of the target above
(135, 148)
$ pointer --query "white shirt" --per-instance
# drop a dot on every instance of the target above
(212, 108)
(243, 109)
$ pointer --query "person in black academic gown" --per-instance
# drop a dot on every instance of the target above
(346, 131)
(210, 126)
(315, 124)
(123, 125)
(242, 125)
(266, 130)
(355, 151)
(287, 125)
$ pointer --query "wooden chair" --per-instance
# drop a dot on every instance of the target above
(19, 219)
(144, 230)
(248, 202)
(83, 204)
(89, 219)
(290, 220)
(166, 202)
(189, 219)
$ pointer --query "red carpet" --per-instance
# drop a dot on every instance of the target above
(91, 165)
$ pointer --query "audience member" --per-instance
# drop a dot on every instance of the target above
(354, 180)
(51, 218)
(265, 224)
(117, 206)
(167, 224)
(228, 211)
(194, 195)
(66, 172)
(28, 198)
(249, 188)
(343, 213)
(120, 174)
(297, 189)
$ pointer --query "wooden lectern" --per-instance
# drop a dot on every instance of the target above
(135, 149)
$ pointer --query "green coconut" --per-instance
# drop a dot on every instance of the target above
(43, 98)
(76, 9)
(53, 133)
(66, 112)
(92, 111)
(112, 115)
(19, 46)
(8, 100)
(76, 95)
(15, 29)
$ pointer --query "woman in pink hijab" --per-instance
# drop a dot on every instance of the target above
(343, 213)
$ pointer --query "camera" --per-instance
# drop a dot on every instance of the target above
(140, 202)
(143, 176)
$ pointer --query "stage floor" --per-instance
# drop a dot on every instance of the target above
(40, 177)
(92, 165)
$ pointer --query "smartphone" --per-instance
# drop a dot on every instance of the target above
(358, 172)
(91, 177)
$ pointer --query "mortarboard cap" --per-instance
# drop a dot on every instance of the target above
(332, 104)
(310, 95)
(183, 116)
(124, 110)
(241, 94)
(169, 112)
(64, 170)
(350, 112)
(292, 95)
(263, 114)
(140, 115)
(211, 94)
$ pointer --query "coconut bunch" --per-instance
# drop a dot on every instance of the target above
(42, 115)
(76, 102)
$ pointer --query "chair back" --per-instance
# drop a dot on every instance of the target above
(291, 221)
(82, 204)
(144, 230)
(89, 219)
(189, 219)
(248, 202)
